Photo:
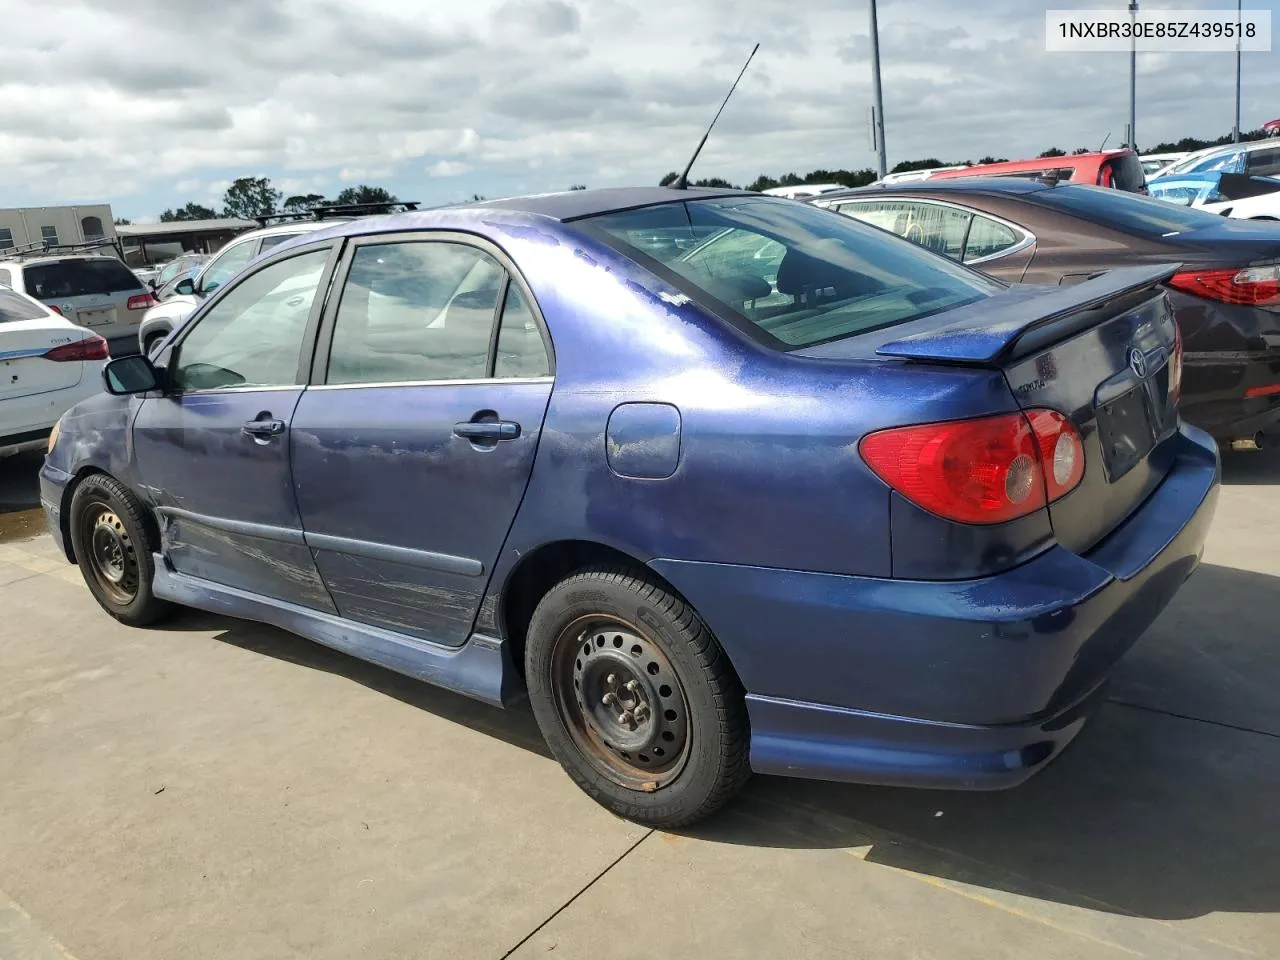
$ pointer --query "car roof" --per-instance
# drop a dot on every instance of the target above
(292, 226)
(989, 185)
(55, 258)
(576, 204)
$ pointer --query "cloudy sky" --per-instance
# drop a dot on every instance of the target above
(147, 104)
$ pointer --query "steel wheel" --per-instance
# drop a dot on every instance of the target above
(622, 702)
(111, 557)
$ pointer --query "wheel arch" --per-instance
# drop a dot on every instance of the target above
(69, 492)
(542, 568)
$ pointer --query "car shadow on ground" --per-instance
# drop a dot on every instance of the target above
(1162, 808)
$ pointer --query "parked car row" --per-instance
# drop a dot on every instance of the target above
(723, 482)
(1225, 290)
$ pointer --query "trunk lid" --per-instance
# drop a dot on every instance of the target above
(1098, 352)
(24, 371)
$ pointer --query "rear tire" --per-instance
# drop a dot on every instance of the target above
(636, 699)
(150, 343)
(113, 549)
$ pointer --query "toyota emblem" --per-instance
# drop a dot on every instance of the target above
(1138, 363)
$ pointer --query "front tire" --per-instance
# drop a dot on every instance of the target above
(113, 549)
(636, 699)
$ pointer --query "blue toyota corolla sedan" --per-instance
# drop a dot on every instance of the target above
(722, 482)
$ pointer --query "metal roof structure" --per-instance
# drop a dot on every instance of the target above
(131, 230)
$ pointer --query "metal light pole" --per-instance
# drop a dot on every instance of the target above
(878, 120)
(1235, 131)
(1133, 78)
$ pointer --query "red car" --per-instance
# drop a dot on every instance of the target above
(1272, 128)
(1107, 168)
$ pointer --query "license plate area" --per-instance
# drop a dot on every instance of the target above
(1126, 431)
(94, 318)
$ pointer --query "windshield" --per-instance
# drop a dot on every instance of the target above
(789, 273)
(1231, 161)
(1126, 212)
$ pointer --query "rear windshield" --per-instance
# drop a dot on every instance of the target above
(1126, 212)
(79, 278)
(788, 273)
(14, 307)
(1127, 173)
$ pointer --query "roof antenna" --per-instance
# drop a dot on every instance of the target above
(1104, 141)
(682, 182)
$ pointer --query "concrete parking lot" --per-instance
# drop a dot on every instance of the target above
(222, 789)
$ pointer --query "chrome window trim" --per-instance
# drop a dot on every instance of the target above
(510, 381)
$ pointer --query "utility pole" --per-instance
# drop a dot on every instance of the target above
(1235, 131)
(878, 119)
(1133, 77)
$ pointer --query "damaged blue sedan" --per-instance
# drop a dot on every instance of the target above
(721, 482)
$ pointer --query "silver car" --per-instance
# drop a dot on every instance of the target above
(93, 291)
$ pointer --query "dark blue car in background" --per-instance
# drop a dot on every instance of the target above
(723, 482)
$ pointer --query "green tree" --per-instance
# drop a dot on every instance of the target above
(301, 203)
(990, 159)
(669, 179)
(250, 197)
(365, 194)
(123, 222)
(578, 186)
(1053, 152)
(192, 211)
(1080, 150)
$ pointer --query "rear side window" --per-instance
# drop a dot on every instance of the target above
(79, 278)
(787, 273)
(14, 307)
(1126, 173)
(275, 240)
(521, 352)
(987, 238)
(415, 311)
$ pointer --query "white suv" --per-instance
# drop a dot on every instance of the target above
(93, 291)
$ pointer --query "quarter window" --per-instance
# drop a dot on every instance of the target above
(253, 336)
(521, 352)
(416, 311)
(987, 238)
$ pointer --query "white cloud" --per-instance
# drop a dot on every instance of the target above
(447, 168)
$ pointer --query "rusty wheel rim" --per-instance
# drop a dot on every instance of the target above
(622, 702)
(111, 557)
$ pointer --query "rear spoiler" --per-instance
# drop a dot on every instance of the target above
(987, 331)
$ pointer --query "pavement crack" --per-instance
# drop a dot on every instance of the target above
(1183, 716)
(587, 886)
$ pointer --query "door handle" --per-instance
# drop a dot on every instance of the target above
(487, 430)
(262, 429)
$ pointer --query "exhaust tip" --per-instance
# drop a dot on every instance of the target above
(1252, 443)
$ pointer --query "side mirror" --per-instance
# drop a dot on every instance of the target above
(185, 287)
(124, 376)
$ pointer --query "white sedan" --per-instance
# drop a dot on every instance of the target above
(47, 366)
(1227, 194)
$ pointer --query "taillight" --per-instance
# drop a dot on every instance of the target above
(987, 470)
(90, 348)
(141, 301)
(1257, 286)
(1175, 366)
(55, 309)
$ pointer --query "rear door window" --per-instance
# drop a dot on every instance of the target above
(226, 265)
(79, 278)
(933, 226)
(415, 311)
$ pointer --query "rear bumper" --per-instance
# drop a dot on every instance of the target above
(973, 684)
